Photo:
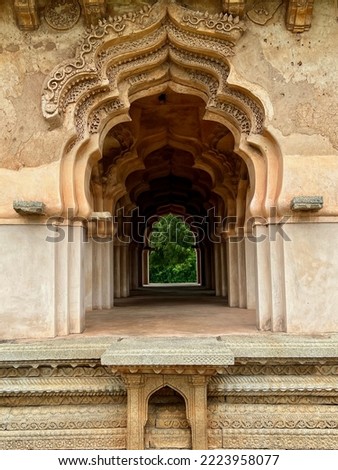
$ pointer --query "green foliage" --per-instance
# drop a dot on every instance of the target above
(173, 258)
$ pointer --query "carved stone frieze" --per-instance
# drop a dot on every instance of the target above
(65, 417)
(64, 14)
(83, 385)
(59, 399)
(228, 416)
(280, 426)
(64, 439)
(299, 15)
(278, 369)
(57, 371)
(283, 400)
(276, 385)
(97, 70)
(217, 22)
(279, 439)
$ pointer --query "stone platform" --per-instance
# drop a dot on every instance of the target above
(115, 392)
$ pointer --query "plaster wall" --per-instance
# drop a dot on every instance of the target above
(311, 273)
(294, 75)
(27, 282)
(42, 282)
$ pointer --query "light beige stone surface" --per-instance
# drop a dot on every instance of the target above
(311, 273)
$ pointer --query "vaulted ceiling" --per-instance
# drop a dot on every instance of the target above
(170, 157)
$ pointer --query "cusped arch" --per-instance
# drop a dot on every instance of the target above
(170, 47)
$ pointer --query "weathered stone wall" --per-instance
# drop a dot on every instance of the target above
(83, 406)
(296, 73)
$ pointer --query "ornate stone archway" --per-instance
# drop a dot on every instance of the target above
(139, 55)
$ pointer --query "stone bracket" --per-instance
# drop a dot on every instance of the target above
(29, 207)
(307, 203)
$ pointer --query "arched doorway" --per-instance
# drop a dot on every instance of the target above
(162, 164)
(156, 107)
(167, 425)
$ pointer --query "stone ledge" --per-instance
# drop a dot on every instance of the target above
(168, 351)
(204, 351)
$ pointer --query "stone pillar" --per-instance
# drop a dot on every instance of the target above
(124, 265)
(76, 280)
(97, 275)
(263, 276)
(250, 268)
(232, 261)
(145, 267)
(207, 266)
(88, 253)
(134, 268)
(278, 312)
(242, 303)
(224, 286)
(140, 267)
(69, 281)
(136, 411)
(106, 268)
(198, 411)
(111, 272)
(218, 269)
(117, 271)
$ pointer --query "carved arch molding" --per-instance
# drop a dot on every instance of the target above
(128, 55)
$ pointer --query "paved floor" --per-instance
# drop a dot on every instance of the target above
(170, 311)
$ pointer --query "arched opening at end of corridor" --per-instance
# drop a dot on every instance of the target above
(172, 252)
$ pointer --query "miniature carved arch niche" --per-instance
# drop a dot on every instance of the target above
(167, 418)
(192, 388)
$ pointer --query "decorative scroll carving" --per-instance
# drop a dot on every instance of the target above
(57, 371)
(299, 15)
(69, 439)
(226, 416)
(62, 14)
(283, 400)
(280, 439)
(93, 79)
(26, 13)
(61, 399)
(300, 385)
(217, 22)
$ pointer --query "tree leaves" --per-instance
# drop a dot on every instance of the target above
(173, 257)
